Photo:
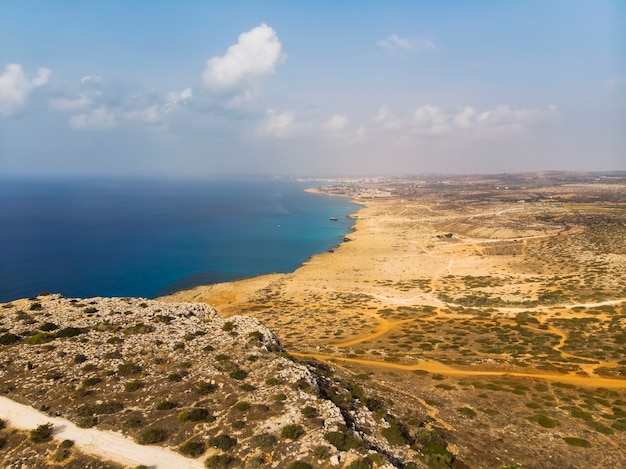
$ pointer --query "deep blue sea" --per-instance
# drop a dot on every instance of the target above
(97, 237)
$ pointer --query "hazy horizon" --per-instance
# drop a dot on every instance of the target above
(318, 90)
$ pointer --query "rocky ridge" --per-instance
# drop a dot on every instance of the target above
(179, 375)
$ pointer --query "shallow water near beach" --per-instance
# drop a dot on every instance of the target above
(105, 237)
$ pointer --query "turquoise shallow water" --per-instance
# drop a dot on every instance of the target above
(146, 238)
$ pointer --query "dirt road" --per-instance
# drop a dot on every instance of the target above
(102, 444)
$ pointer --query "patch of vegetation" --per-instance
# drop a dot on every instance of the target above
(151, 436)
(110, 407)
(343, 441)
(9, 339)
(310, 412)
(265, 440)
(166, 405)
(580, 442)
(196, 414)
(42, 433)
(471, 413)
(543, 420)
(222, 461)
(224, 442)
(292, 431)
(192, 449)
(202, 387)
(131, 386)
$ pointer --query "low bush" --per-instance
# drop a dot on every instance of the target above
(310, 412)
(265, 440)
(202, 387)
(223, 442)
(192, 449)
(165, 405)
(131, 386)
(92, 381)
(9, 339)
(128, 369)
(195, 415)
(151, 436)
(222, 461)
(292, 431)
(572, 441)
(42, 433)
(343, 441)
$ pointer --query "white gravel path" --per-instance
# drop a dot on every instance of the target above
(102, 444)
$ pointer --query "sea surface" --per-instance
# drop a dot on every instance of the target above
(105, 237)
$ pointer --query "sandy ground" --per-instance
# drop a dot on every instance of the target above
(396, 257)
(102, 444)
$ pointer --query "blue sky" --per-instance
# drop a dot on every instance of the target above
(311, 88)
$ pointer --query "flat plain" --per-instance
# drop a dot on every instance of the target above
(491, 308)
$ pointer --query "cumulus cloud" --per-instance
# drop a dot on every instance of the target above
(96, 105)
(395, 43)
(277, 124)
(256, 55)
(337, 123)
(99, 118)
(16, 85)
(433, 121)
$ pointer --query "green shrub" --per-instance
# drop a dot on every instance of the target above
(222, 461)
(576, 442)
(543, 420)
(228, 326)
(92, 381)
(48, 327)
(66, 444)
(175, 377)
(9, 339)
(110, 407)
(69, 332)
(310, 412)
(40, 338)
(132, 423)
(292, 431)
(128, 369)
(42, 433)
(321, 452)
(87, 421)
(343, 441)
(223, 442)
(280, 396)
(35, 306)
(192, 449)
(238, 374)
(151, 436)
(202, 387)
(265, 440)
(131, 386)
(165, 405)
(394, 434)
(79, 358)
(471, 413)
(194, 415)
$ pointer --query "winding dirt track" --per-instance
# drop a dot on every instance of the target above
(437, 367)
(102, 444)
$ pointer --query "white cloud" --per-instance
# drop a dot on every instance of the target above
(78, 103)
(395, 43)
(336, 124)
(99, 118)
(15, 86)
(256, 54)
(277, 124)
(433, 121)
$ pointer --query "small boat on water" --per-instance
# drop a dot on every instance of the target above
(333, 218)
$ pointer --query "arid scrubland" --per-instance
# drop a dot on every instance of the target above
(466, 322)
(492, 307)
